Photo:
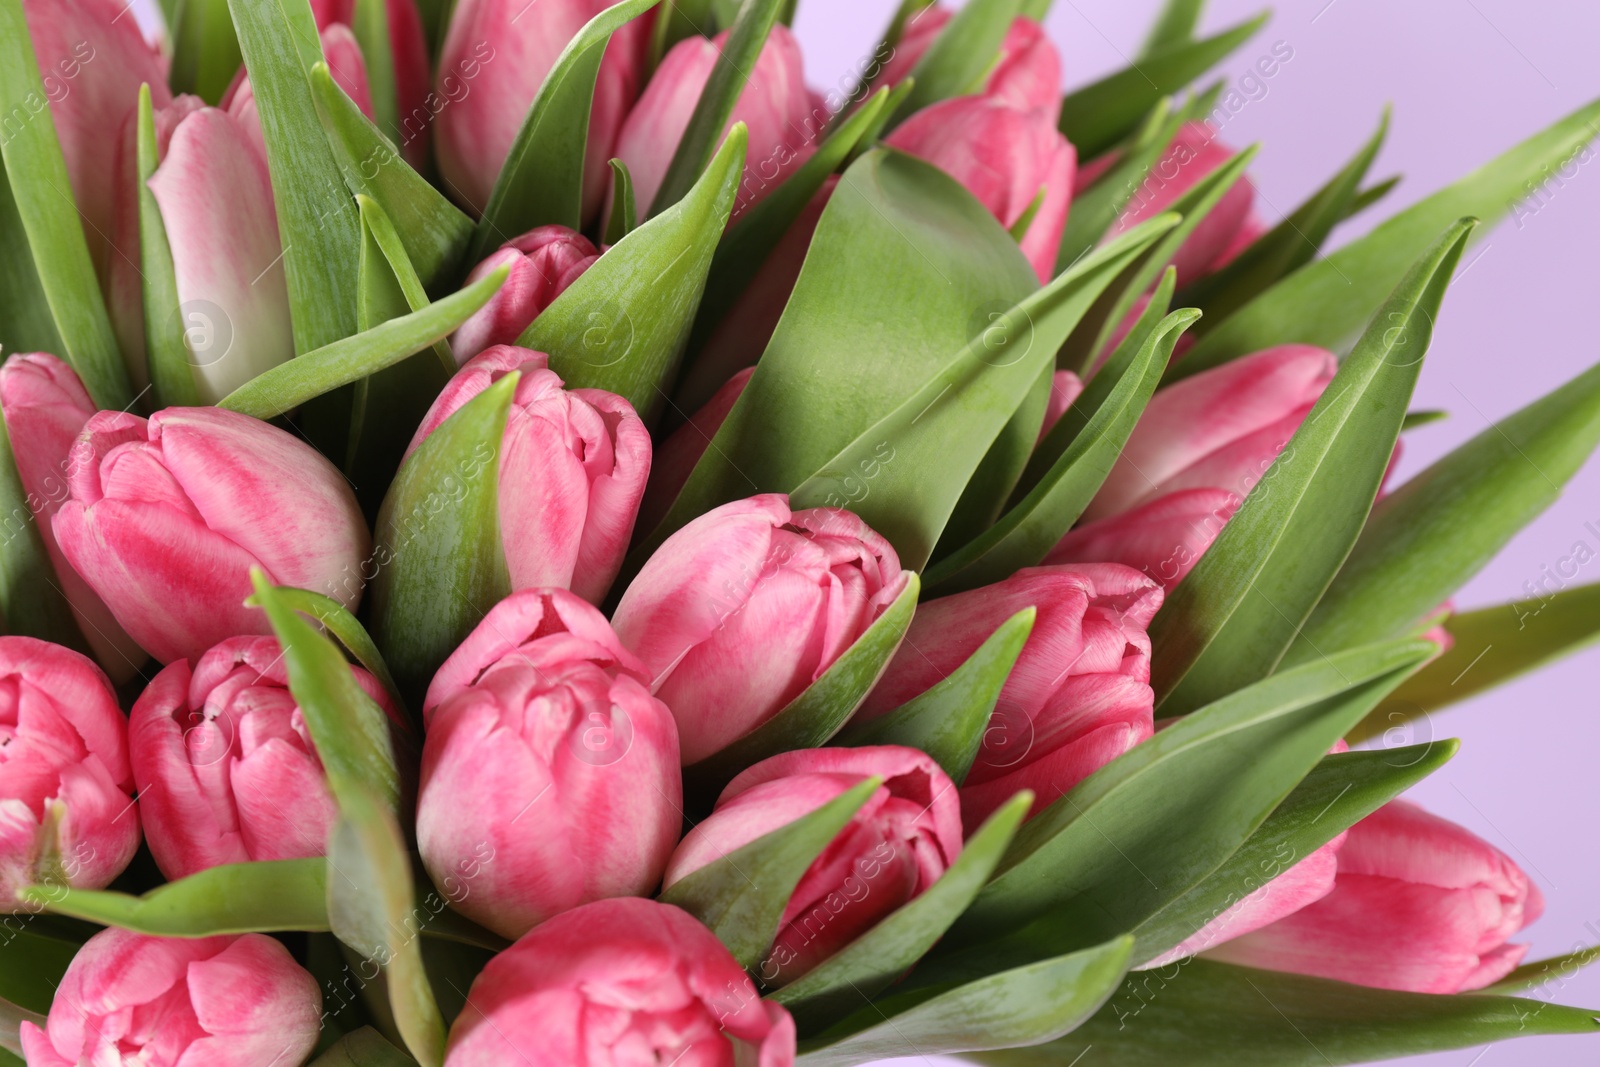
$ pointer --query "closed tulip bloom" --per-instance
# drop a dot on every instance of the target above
(167, 515)
(408, 49)
(743, 608)
(1164, 537)
(1418, 903)
(226, 768)
(573, 465)
(893, 849)
(1065, 387)
(174, 1002)
(540, 265)
(66, 803)
(623, 981)
(1028, 74)
(1079, 695)
(45, 406)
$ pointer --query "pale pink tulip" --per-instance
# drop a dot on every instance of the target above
(743, 608)
(893, 849)
(1028, 74)
(573, 465)
(541, 264)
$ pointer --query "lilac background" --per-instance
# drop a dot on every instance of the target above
(1467, 78)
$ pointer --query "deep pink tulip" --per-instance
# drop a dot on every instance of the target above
(892, 850)
(550, 774)
(63, 764)
(775, 105)
(740, 610)
(166, 516)
(1418, 903)
(1164, 537)
(408, 48)
(226, 768)
(496, 55)
(45, 406)
(573, 465)
(1028, 74)
(175, 1002)
(541, 263)
(1079, 695)
(615, 982)
(678, 455)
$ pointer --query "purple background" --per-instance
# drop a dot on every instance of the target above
(1467, 78)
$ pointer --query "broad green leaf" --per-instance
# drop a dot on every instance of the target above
(169, 363)
(624, 210)
(1023, 1006)
(288, 385)
(234, 898)
(1205, 1014)
(36, 958)
(363, 1048)
(741, 896)
(32, 604)
(1233, 617)
(371, 29)
(41, 195)
(541, 181)
(435, 232)
(961, 55)
(1097, 116)
(820, 710)
(316, 218)
(948, 721)
(1338, 793)
(1492, 646)
(1097, 207)
(713, 111)
(1175, 26)
(874, 960)
(623, 324)
(1440, 528)
(1557, 971)
(1326, 302)
(205, 49)
(440, 566)
(26, 324)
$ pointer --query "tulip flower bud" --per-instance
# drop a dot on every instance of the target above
(619, 982)
(1028, 74)
(1164, 538)
(66, 794)
(226, 768)
(1079, 695)
(1418, 903)
(1065, 387)
(408, 48)
(540, 265)
(573, 465)
(166, 516)
(45, 406)
(743, 608)
(165, 1001)
(897, 845)
(549, 774)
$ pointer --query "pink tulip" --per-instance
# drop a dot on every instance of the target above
(739, 611)
(1065, 387)
(1418, 903)
(541, 264)
(408, 48)
(1028, 74)
(549, 774)
(774, 105)
(1164, 537)
(167, 516)
(677, 457)
(623, 981)
(496, 55)
(573, 465)
(1079, 695)
(226, 768)
(895, 847)
(66, 793)
(45, 406)
(176, 1002)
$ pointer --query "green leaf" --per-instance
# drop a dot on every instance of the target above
(41, 193)
(961, 55)
(1414, 419)
(1440, 528)
(741, 896)
(437, 541)
(31, 603)
(363, 1048)
(288, 385)
(874, 960)
(948, 721)
(541, 182)
(713, 111)
(1097, 116)
(820, 710)
(1205, 1014)
(234, 898)
(1023, 1006)
(205, 49)
(36, 958)
(1558, 970)
(623, 324)
(1175, 26)
(1326, 302)
(1236, 613)
(170, 363)
(677, 20)
(316, 217)
(371, 29)
(624, 212)
(26, 324)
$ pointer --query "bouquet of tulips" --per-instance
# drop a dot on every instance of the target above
(533, 537)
